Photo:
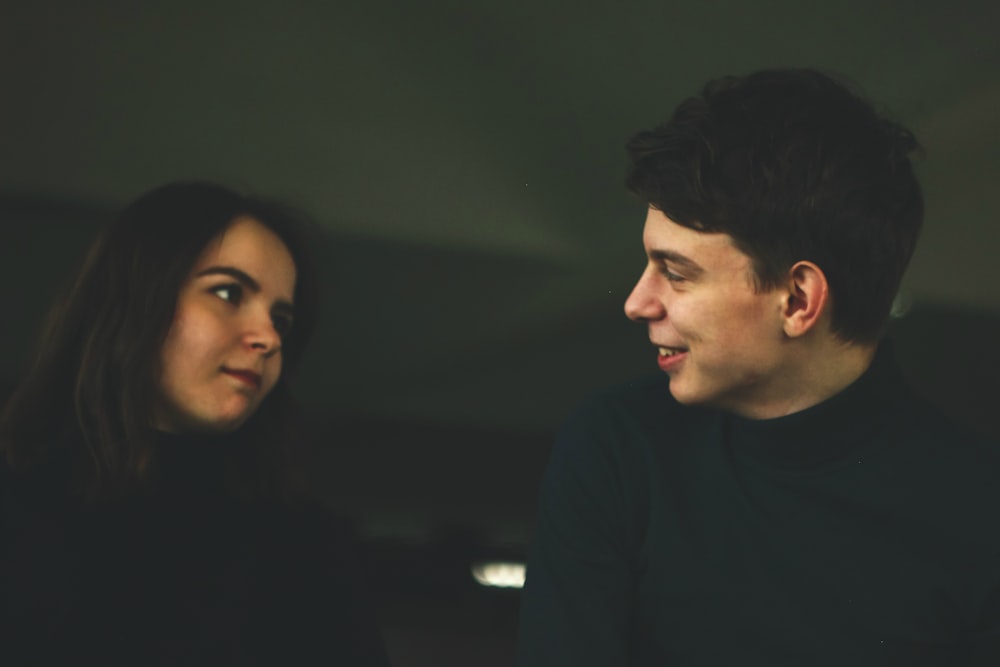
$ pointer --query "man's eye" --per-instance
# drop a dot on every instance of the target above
(232, 293)
(671, 276)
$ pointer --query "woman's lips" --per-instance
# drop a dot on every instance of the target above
(247, 377)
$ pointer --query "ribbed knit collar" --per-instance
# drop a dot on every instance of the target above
(838, 429)
(189, 465)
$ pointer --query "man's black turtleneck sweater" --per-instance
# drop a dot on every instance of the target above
(860, 532)
(180, 573)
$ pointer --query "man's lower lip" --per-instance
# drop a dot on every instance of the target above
(667, 363)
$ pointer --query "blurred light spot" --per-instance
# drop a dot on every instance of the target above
(499, 574)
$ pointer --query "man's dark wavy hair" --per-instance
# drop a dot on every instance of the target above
(793, 166)
(93, 380)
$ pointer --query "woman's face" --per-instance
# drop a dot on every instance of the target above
(222, 353)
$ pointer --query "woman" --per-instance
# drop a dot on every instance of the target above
(148, 514)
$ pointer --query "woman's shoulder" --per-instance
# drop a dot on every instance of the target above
(41, 487)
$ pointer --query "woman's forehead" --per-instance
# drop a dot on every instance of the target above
(252, 247)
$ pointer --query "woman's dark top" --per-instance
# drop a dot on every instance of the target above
(180, 574)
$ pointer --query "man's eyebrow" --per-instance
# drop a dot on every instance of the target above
(676, 258)
(245, 279)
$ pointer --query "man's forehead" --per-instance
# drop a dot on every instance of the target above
(662, 233)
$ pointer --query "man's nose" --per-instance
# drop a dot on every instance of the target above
(644, 303)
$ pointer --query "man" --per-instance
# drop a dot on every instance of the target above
(780, 497)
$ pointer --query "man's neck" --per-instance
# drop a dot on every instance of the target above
(815, 373)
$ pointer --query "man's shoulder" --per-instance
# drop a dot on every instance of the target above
(932, 443)
(638, 411)
(889, 396)
(925, 420)
(643, 398)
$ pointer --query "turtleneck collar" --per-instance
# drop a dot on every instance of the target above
(189, 464)
(826, 433)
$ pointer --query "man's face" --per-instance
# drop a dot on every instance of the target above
(721, 342)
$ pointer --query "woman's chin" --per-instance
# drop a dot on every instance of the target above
(202, 424)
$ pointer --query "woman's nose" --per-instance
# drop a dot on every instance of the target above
(261, 335)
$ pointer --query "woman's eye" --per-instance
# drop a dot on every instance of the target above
(232, 293)
(282, 324)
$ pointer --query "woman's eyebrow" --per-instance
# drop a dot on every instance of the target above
(232, 272)
(245, 279)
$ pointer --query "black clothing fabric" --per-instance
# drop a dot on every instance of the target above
(862, 531)
(180, 574)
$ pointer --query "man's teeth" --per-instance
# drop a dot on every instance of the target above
(669, 351)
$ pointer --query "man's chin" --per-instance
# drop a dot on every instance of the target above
(677, 390)
(687, 395)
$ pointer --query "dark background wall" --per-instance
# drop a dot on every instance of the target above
(464, 161)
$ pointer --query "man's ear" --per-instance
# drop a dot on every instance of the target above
(806, 299)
